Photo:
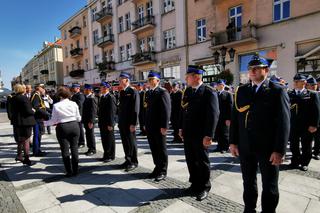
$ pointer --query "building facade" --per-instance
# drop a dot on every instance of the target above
(45, 67)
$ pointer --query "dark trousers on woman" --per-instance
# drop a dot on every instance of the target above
(108, 143)
(68, 137)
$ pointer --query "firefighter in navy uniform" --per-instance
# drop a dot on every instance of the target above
(106, 116)
(313, 85)
(225, 107)
(128, 112)
(88, 118)
(176, 97)
(79, 98)
(200, 113)
(157, 123)
(304, 122)
(259, 133)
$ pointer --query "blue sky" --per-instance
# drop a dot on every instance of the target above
(24, 25)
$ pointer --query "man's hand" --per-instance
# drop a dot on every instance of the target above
(90, 125)
(132, 128)
(228, 122)
(110, 128)
(207, 141)
(163, 131)
(234, 150)
(180, 134)
(276, 158)
(312, 129)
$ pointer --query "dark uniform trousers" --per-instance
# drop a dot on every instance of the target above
(106, 115)
(176, 98)
(68, 137)
(142, 112)
(260, 125)
(222, 131)
(304, 113)
(158, 116)
(316, 146)
(199, 119)
(88, 116)
(129, 103)
(79, 98)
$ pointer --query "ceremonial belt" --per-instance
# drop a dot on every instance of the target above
(42, 105)
(183, 105)
(294, 106)
(241, 109)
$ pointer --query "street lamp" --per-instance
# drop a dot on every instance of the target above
(223, 53)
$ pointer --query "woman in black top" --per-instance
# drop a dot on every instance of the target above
(22, 120)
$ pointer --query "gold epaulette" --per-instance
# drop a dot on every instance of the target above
(294, 106)
(145, 104)
(240, 109)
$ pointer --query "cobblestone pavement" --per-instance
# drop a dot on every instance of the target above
(102, 187)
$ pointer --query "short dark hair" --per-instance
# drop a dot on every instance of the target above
(63, 93)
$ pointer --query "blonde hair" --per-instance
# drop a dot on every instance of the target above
(19, 88)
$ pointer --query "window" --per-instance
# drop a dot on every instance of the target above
(79, 65)
(103, 4)
(52, 66)
(142, 45)
(78, 44)
(150, 41)
(72, 66)
(172, 72)
(85, 41)
(105, 30)
(169, 39)
(149, 8)
(71, 46)
(66, 52)
(86, 62)
(129, 51)
(168, 5)
(93, 13)
(84, 21)
(121, 25)
(67, 70)
(109, 3)
(128, 21)
(281, 10)
(235, 16)
(122, 54)
(141, 13)
(111, 55)
(65, 34)
(201, 30)
(95, 36)
(96, 59)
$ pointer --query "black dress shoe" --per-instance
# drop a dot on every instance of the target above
(160, 177)
(202, 195)
(123, 166)
(223, 151)
(304, 168)
(89, 153)
(130, 167)
(189, 191)
(80, 145)
(151, 175)
(108, 160)
(102, 159)
(316, 157)
(293, 166)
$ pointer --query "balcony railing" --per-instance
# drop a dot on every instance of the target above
(103, 41)
(102, 14)
(79, 73)
(143, 57)
(245, 33)
(76, 52)
(106, 66)
(75, 31)
(143, 23)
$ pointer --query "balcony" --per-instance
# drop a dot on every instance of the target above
(44, 72)
(106, 66)
(51, 83)
(234, 36)
(75, 32)
(79, 73)
(35, 77)
(143, 24)
(143, 58)
(103, 14)
(106, 40)
(76, 52)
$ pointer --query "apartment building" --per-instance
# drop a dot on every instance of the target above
(280, 29)
(46, 67)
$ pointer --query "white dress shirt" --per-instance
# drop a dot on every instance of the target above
(258, 85)
(64, 111)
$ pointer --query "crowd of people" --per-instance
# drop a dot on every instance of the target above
(255, 122)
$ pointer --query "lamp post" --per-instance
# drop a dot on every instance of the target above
(223, 53)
